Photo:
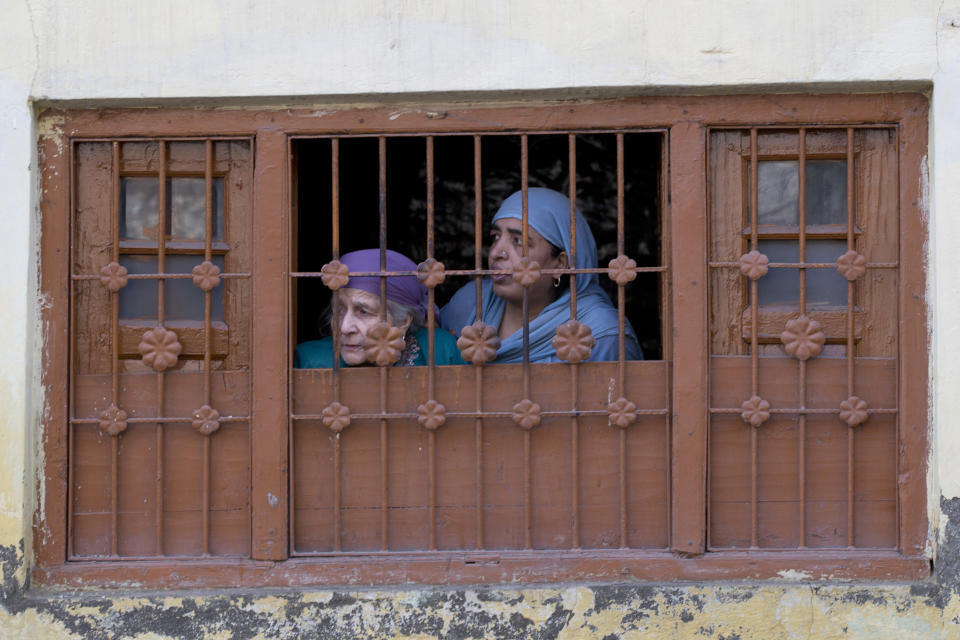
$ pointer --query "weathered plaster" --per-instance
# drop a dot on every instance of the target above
(771, 611)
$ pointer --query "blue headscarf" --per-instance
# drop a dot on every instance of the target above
(548, 212)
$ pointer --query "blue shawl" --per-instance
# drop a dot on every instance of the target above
(549, 213)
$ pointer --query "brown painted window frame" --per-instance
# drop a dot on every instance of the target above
(688, 122)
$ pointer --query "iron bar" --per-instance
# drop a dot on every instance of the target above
(802, 419)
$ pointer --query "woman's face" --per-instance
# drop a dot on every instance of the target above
(359, 312)
(506, 249)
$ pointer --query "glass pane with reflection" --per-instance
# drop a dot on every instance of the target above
(187, 204)
(781, 286)
(139, 206)
(183, 300)
(826, 191)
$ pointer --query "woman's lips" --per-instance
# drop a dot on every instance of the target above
(499, 278)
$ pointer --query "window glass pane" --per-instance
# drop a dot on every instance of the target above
(138, 300)
(826, 189)
(186, 209)
(138, 208)
(187, 198)
(183, 299)
(825, 287)
(778, 192)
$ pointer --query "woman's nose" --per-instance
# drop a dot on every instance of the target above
(348, 324)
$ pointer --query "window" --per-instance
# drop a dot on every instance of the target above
(178, 429)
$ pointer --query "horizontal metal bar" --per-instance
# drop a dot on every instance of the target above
(478, 414)
(807, 265)
(159, 276)
(798, 411)
(481, 133)
(121, 138)
(180, 420)
(475, 272)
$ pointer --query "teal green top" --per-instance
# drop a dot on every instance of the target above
(318, 354)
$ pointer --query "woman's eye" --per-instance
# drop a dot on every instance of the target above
(517, 241)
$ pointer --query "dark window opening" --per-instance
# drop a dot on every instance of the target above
(406, 206)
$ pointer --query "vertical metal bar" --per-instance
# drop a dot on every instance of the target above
(336, 492)
(207, 304)
(621, 345)
(206, 495)
(382, 155)
(431, 391)
(478, 370)
(754, 325)
(335, 239)
(114, 471)
(162, 233)
(115, 296)
(802, 418)
(572, 162)
(620, 297)
(158, 515)
(527, 483)
(851, 217)
(115, 345)
(478, 446)
(574, 377)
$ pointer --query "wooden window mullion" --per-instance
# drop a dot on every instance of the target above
(688, 215)
(914, 340)
(268, 437)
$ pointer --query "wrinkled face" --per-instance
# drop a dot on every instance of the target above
(506, 249)
(359, 312)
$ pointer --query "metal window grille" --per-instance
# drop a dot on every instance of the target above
(391, 459)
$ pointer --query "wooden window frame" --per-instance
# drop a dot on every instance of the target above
(687, 121)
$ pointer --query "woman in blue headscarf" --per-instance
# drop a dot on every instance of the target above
(548, 215)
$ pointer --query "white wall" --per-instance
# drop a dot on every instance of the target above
(94, 50)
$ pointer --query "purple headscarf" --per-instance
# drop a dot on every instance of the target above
(403, 289)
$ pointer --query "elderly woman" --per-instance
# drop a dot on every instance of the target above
(549, 244)
(359, 312)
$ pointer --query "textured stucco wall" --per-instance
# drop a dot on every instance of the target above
(98, 51)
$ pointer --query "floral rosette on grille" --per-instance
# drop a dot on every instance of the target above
(383, 344)
(853, 411)
(755, 411)
(431, 273)
(335, 417)
(852, 265)
(802, 338)
(622, 413)
(527, 272)
(114, 276)
(526, 413)
(753, 264)
(574, 341)
(206, 420)
(334, 275)
(159, 348)
(431, 415)
(206, 275)
(113, 420)
(622, 269)
(478, 343)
